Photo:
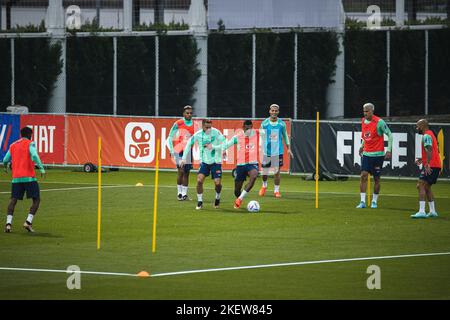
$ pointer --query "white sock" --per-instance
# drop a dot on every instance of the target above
(200, 196)
(375, 197)
(264, 184)
(431, 205)
(421, 206)
(30, 218)
(243, 194)
(363, 197)
(9, 219)
(217, 196)
(184, 190)
(179, 186)
(276, 188)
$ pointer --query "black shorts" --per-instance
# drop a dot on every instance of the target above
(272, 161)
(430, 178)
(372, 165)
(18, 190)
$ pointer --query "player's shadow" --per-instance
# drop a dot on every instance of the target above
(42, 235)
(244, 211)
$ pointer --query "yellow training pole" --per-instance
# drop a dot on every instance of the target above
(155, 197)
(317, 161)
(99, 209)
(368, 188)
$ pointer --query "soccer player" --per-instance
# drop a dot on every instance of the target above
(209, 141)
(247, 160)
(181, 131)
(23, 156)
(273, 132)
(431, 167)
(373, 130)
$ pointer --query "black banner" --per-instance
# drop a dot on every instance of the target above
(339, 143)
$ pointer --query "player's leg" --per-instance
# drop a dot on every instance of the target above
(421, 187)
(429, 193)
(365, 169)
(200, 180)
(17, 193)
(185, 184)
(265, 165)
(216, 175)
(277, 163)
(180, 174)
(376, 167)
(33, 193)
(238, 182)
(376, 191)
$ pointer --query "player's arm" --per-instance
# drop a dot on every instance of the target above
(227, 144)
(361, 149)
(172, 133)
(35, 158)
(382, 128)
(428, 146)
(6, 160)
(286, 139)
(189, 145)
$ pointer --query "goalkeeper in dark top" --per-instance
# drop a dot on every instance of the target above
(23, 156)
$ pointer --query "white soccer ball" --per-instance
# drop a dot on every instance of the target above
(253, 206)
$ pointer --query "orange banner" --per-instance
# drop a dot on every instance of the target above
(130, 142)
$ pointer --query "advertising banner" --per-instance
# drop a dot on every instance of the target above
(340, 143)
(48, 135)
(9, 132)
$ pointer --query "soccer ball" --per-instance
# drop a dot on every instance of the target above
(253, 206)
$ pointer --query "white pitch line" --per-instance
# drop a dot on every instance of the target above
(297, 264)
(228, 268)
(224, 188)
(65, 271)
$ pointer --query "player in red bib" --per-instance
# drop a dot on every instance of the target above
(372, 152)
(431, 168)
(23, 156)
(181, 131)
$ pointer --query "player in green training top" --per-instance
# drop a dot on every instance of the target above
(247, 160)
(209, 142)
(181, 131)
(23, 156)
(273, 132)
(373, 130)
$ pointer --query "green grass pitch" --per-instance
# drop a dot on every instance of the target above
(286, 230)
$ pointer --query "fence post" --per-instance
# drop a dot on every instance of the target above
(399, 13)
(388, 73)
(295, 74)
(156, 75)
(128, 16)
(254, 75)
(115, 76)
(426, 71)
(13, 78)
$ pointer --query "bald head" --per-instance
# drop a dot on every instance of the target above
(422, 126)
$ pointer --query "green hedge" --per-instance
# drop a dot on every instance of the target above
(37, 66)
(5, 74)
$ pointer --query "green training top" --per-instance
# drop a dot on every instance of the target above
(215, 138)
(173, 132)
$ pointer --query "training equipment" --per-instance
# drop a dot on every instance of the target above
(253, 206)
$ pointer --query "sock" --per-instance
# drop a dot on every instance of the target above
(200, 197)
(243, 194)
(179, 186)
(431, 205)
(375, 197)
(276, 188)
(421, 206)
(363, 197)
(30, 218)
(184, 190)
(9, 219)
(217, 196)
(264, 184)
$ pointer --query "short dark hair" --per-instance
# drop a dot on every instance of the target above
(206, 121)
(248, 122)
(26, 132)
